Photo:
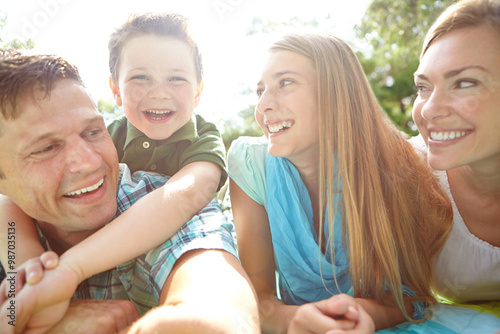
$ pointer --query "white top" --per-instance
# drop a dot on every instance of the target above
(467, 268)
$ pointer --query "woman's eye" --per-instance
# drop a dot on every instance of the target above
(285, 82)
(140, 77)
(177, 79)
(259, 92)
(465, 84)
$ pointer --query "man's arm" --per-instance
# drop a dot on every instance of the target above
(206, 292)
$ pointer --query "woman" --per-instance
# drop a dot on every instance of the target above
(339, 199)
(457, 112)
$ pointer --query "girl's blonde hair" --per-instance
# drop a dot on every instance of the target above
(395, 215)
(464, 14)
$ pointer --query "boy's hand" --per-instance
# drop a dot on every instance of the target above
(41, 305)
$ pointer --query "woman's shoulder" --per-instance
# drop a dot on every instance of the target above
(248, 149)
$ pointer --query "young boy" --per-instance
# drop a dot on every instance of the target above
(156, 75)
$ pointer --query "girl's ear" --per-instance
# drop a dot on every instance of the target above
(116, 91)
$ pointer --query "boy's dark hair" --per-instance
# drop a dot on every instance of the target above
(160, 24)
(20, 74)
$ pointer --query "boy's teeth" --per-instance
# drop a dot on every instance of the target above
(159, 112)
(86, 190)
(442, 136)
(279, 126)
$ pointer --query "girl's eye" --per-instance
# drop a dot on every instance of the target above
(259, 92)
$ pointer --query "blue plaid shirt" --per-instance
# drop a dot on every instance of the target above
(141, 279)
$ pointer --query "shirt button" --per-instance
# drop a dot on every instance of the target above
(145, 144)
(153, 167)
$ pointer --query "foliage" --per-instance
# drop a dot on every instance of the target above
(109, 110)
(15, 43)
(395, 31)
(231, 130)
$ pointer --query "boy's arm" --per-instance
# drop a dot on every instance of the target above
(18, 235)
(148, 223)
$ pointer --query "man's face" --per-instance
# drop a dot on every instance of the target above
(59, 162)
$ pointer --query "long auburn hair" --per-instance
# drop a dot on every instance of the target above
(464, 14)
(396, 217)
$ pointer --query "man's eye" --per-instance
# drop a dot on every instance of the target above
(46, 149)
(285, 82)
(140, 77)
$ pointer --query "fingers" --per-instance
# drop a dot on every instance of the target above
(311, 318)
(364, 325)
(50, 260)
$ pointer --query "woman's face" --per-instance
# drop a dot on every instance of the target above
(287, 107)
(457, 109)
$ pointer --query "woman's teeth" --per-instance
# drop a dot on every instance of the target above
(449, 135)
(279, 126)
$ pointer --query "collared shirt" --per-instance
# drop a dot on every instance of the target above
(197, 140)
(141, 279)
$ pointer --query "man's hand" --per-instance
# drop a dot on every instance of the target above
(96, 316)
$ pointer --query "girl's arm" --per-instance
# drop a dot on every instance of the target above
(257, 257)
(18, 235)
(148, 223)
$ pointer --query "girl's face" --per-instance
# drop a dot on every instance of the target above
(287, 106)
(457, 110)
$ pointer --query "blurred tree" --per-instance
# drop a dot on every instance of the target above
(231, 130)
(109, 110)
(395, 31)
(5, 43)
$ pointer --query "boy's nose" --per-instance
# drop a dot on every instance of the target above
(159, 90)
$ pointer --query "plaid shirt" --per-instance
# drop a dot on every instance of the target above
(141, 279)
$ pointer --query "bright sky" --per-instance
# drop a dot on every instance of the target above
(79, 30)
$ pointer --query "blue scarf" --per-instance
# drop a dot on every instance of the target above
(305, 274)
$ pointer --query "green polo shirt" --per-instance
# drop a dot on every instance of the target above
(197, 140)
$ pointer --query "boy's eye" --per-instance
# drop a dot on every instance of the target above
(140, 77)
(177, 79)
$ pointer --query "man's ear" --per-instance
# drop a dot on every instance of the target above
(197, 93)
(115, 90)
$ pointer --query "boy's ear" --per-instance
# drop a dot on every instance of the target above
(197, 94)
(116, 91)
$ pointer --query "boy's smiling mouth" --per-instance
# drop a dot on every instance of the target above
(158, 115)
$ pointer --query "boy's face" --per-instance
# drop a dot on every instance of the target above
(157, 84)
(59, 161)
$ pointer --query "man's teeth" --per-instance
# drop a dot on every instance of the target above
(447, 135)
(86, 190)
(279, 126)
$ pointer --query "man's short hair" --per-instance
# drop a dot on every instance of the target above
(21, 74)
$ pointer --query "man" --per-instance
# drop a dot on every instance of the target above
(54, 143)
